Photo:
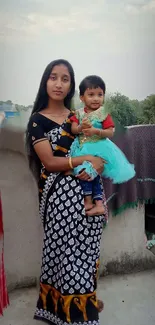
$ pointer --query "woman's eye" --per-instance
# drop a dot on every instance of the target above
(52, 77)
(65, 79)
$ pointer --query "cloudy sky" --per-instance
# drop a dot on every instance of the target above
(112, 38)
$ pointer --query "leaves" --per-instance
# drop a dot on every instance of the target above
(148, 107)
(121, 109)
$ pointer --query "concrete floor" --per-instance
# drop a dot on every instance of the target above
(129, 300)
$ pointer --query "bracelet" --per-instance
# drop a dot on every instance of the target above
(79, 127)
(70, 163)
(100, 133)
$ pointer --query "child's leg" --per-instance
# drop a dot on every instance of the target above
(87, 191)
(98, 209)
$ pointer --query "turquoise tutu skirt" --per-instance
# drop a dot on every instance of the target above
(117, 168)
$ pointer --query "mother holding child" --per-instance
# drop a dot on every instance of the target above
(72, 223)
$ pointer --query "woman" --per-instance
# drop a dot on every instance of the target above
(4, 300)
(71, 240)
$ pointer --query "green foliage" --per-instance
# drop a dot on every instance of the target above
(20, 108)
(131, 112)
(148, 110)
(121, 109)
(76, 103)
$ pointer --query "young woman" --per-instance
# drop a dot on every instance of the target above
(71, 245)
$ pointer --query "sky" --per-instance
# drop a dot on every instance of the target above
(111, 38)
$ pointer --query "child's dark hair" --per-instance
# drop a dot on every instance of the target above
(91, 82)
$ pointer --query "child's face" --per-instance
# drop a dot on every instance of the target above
(93, 98)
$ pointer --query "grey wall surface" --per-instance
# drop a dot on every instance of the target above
(122, 247)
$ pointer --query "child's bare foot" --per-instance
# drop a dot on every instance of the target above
(97, 210)
(88, 203)
(88, 206)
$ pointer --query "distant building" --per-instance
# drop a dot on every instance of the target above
(7, 107)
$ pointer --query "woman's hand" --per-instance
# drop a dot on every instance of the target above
(83, 176)
(98, 164)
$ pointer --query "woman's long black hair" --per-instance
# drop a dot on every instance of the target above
(41, 102)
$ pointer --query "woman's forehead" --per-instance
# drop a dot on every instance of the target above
(60, 69)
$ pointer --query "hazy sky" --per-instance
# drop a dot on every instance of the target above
(112, 38)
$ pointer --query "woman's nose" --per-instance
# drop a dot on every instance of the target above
(58, 83)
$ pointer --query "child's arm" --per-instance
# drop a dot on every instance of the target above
(76, 128)
(106, 132)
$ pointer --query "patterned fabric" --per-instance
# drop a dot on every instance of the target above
(106, 123)
(150, 242)
(138, 144)
(98, 115)
(4, 300)
(71, 247)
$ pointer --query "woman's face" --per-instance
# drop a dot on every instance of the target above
(59, 82)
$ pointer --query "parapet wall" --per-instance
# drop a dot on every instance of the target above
(122, 247)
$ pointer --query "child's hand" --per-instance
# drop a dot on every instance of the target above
(85, 123)
(89, 132)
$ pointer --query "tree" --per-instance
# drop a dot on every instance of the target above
(121, 109)
(148, 109)
(9, 102)
(76, 103)
(20, 108)
(137, 106)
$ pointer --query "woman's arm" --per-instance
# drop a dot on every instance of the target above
(62, 164)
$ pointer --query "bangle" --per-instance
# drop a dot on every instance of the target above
(70, 163)
(79, 128)
(100, 133)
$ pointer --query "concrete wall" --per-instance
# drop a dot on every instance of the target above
(122, 247)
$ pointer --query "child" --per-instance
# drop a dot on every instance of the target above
(94, 126)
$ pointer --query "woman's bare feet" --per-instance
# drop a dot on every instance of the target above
(100, 305)
(97, 210)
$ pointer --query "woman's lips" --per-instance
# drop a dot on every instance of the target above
(57, 92)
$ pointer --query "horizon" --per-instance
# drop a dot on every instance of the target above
(113, 39)
(107, 95)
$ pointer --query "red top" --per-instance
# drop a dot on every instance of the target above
(106, 124)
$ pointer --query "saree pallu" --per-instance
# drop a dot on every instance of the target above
(71, 252)
(4, 300)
